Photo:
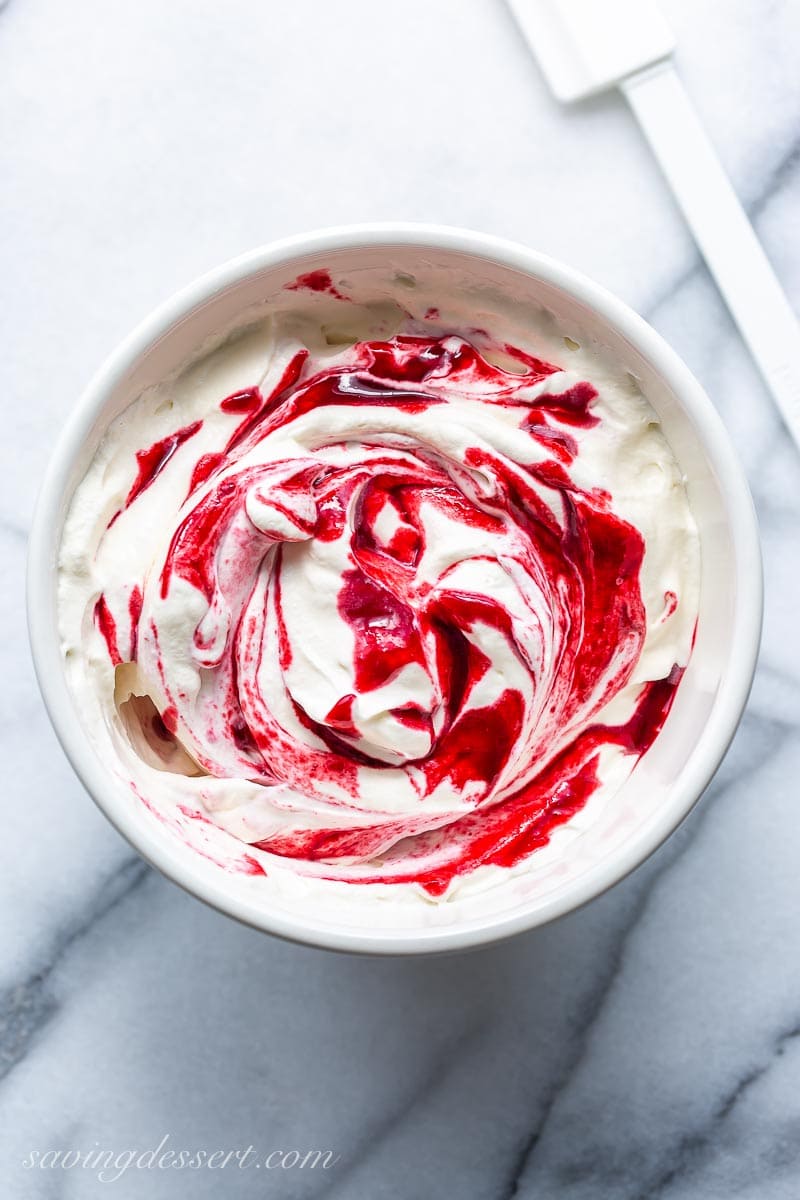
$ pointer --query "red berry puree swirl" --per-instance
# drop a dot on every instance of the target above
(384, 625)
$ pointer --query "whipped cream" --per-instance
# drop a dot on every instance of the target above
(381, 604)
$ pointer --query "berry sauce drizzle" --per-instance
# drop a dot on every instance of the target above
(479, 609)
(316, 281)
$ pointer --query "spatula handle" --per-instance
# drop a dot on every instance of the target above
(722, 230)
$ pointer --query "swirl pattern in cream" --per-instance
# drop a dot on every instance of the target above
(379, 630)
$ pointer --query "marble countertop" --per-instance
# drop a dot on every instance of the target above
(647, 1046)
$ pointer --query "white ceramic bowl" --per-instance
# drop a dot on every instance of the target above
(671, 776)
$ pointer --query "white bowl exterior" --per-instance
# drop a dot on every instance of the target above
(674, 772)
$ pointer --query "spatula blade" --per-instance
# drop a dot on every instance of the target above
(585, 46)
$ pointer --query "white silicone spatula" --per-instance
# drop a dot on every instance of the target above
(586, 46)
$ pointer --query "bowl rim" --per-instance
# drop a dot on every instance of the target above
(729, 701)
